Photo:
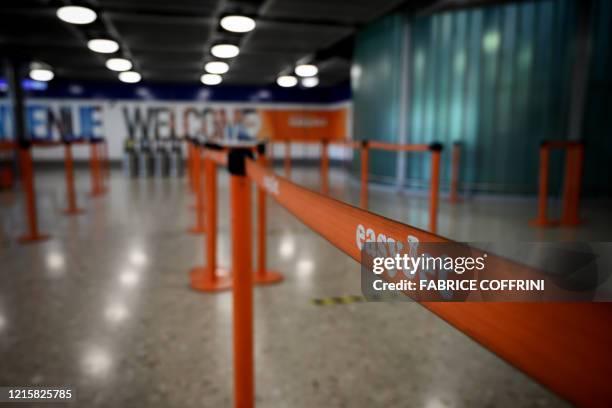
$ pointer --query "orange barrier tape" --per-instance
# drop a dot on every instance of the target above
(7, 145)
(217, 156)
(46, 143)
(398, 147)
(565, 346)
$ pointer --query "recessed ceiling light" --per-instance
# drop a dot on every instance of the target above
(211, 79)
(310, 82)
(130, 77)
(286, 81)
(119, 64)
(225, 50)
(41, 74)
(306, 70)
(216, 67)
(76, 14)
(103, 45)
(238, 24)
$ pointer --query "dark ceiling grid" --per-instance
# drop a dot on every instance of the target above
(169, 40)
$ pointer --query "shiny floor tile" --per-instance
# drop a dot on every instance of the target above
(104, 306)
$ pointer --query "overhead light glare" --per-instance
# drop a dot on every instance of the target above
(211, 79)
(216, 67)
(130, 77)
(286, 81)
(310, 82)
(306, 70)
(103, 45)
(119, 64)
(225, 50)
(41, 74)
(76, 14)
(238, 24)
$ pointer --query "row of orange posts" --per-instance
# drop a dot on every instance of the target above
(548, 341)
(365, 147)
(99, 169)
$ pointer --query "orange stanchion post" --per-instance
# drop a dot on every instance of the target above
(287, 159)
(106, 161)
(572, 183)
(199, 206)
(365, 162)
(325, 166)
(542, 218)
(94, 169)
(242, 296)
(101, 165)
(70, 191)
(454, 185)
(436, 150)
(262, 275)
(209, 278)
(27, 180)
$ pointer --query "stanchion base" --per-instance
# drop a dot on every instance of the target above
(544, 223)
(197, 230)
(200, 280)
(75, 211)
(26, 239)
(267, 277)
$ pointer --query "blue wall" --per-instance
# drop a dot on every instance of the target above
(375, 83)
(496, 79)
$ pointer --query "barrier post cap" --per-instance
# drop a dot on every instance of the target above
(236, 161)
(436, 146)
(24, 143)
(365, 143)
(261, 148)
(212, 146)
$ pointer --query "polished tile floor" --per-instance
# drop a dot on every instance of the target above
(104, 306)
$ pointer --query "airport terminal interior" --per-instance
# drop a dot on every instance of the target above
(188, 189)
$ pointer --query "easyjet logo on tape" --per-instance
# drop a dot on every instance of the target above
(392, 247)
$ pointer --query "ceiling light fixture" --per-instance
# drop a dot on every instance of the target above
(103, 45)
(76, 14)
(286, 81)
(41, 74)
(119, 64)
(310, 82)
(306, 70)
(211, 79)
(238, 24)
(225, 50)
(216, 67)
(130, 77)
(39, 71)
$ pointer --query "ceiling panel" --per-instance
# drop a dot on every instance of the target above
(346, 11)
(169, 40)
